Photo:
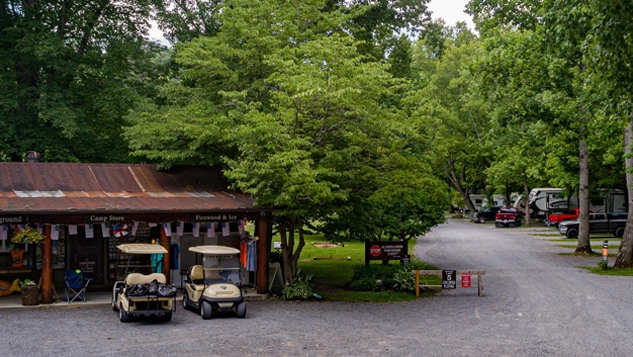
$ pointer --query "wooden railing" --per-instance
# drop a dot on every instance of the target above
(477, 273)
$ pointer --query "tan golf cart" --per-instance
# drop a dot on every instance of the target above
(143, 294)
(214, 285)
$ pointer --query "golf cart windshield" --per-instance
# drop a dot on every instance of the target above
(155, 251)
(220, 263)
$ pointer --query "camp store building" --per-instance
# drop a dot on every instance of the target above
(86, 210)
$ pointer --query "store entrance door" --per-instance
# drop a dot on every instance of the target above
(87, 255)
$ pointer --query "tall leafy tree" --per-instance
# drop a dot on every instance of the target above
(68, 73)
(301, 120)
(454, 118)
(610, 51)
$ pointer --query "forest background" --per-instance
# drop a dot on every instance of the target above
(359, 119)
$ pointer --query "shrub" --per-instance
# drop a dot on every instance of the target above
(603, 264)
(299, 290)
(403, 280)
(364, 284)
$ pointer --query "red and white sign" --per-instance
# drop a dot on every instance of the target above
(465, 280)
(375, 250)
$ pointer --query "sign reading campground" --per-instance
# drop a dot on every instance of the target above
(393, 250)
(449, 280)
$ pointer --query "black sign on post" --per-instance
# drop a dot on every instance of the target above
(390, 250)
(449, 279)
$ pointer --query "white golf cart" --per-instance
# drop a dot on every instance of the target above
(138, 294)
(214, 284)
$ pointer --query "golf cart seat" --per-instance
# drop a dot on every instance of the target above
(138, 278)
(197, 277)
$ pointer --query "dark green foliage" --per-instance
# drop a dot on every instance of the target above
(376, 277)
(300, 288)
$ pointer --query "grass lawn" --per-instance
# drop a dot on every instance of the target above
(610, 271)
(332, 267)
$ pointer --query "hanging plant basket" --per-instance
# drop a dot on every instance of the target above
(29, 235)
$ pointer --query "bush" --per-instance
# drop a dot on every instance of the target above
(603, 264)
(391, 277)
(299, 290)
(364, 284)
(403, 280)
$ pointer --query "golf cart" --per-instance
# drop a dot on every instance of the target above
(143, 294)
(214, 284)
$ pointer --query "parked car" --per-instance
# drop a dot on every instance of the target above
(488, 214)
(568, 215)
(508, 217)
(613, 223)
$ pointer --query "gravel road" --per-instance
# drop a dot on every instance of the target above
(536, 303)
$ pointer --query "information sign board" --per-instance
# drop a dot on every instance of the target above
(449, 280)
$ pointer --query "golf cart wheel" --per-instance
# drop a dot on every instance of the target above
(240, 310)
(185, 301)
(123, 315)
(168, 316)
(205, 310)
(114, 303)
(482, 220)
(572, 233)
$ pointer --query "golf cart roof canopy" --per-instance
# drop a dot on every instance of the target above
(214, 250)
(141, 248)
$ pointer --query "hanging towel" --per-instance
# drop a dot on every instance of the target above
(72, 229)
(251, 262)
(226, 230)
(240, 226)
(174, 250)
(243, 253)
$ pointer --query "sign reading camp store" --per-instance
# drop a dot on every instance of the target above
(95, 218)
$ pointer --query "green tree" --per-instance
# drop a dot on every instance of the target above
(68, 73)
(453, 118)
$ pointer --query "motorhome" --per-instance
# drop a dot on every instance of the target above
(543, 201)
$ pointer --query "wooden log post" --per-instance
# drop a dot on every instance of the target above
(47, 266)
(417, 283)
(263, 251)
(165, 243)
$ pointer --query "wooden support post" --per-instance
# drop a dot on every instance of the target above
(480, 285)
(165, 243)
(417, 283)
(263, 252)
(47, 266)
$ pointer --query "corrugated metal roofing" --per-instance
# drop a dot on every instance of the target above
(68, 187)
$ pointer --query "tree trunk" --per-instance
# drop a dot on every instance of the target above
(526, 191)
(624, 258)
(584, 245)
(290, 255)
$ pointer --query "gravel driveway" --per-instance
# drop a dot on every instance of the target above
(536, 303)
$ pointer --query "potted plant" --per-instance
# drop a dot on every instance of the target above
(30, 292)
(29, 235)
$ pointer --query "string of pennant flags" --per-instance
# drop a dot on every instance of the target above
(121, 230)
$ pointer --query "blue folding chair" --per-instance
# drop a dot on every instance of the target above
(75, 285)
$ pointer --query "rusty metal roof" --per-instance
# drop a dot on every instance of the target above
(70, 187)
